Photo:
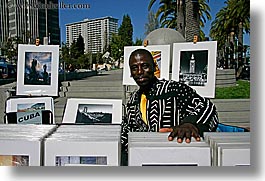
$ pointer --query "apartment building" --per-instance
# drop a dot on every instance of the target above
(97, 33)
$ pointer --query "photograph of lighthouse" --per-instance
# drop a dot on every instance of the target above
(194, 64)
(94, 113)
(193, 67)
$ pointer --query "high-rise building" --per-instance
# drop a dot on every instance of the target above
(29, 19)
(3, 21)
(97, 33)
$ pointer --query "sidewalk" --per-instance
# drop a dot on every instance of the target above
(105, 85)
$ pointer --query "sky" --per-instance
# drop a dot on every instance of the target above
(136, 9)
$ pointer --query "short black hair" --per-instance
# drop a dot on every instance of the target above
(142, 51)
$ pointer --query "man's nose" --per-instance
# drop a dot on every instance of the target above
(140, 70)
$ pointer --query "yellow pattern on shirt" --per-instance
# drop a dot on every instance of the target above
(143, 108)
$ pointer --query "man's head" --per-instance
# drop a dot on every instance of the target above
(142, 67)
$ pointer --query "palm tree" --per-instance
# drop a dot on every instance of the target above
(240, 11)
(230, 23)
(152, 23)
(186, 16)
(192, 19)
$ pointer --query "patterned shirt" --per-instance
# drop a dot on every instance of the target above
(169, 103)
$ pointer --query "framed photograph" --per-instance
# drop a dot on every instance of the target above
(93, 111)
(14, 160)
(37, 72)
(27, 152)
(81, 152)
(195, 65)
(161, 55)
(81, 160)
(30, 109)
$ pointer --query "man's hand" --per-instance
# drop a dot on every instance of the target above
(186, 130)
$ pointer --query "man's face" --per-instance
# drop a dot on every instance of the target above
(142, 69)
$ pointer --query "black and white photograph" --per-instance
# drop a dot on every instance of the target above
(195, 65)
(94, 113)
(37, 70)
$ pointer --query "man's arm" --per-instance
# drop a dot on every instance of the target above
(198, 115)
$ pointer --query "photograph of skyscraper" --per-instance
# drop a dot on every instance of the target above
(193, 67)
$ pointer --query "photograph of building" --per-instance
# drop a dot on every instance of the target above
(193, 67)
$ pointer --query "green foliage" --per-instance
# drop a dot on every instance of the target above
(123, 38)
(240, 91)
(125, 31)
(80, 45)
(116, 46)
(152, 23)
(138, 42)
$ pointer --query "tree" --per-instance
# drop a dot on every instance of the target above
(192, 19)
(116, 47)
(152, 23)
(11, 48)
(186, 16)
(125, 31)
(138, 42)
(80, 44)
(65, 56)
(231, 22)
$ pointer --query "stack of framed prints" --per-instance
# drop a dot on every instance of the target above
(19, 148)
(93, 111)
(83, 145)
(229, 148)
(154, 149)
(29, 110)
(37, 73)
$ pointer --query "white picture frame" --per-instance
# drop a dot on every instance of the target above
(41, 79)
(28, 148)
(185, 67)
(163, 52)
(59, 148)
(16, 104)
(24, 104)
(110, 110)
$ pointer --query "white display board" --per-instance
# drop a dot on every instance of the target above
(90, 111)
(37, 70)
(195, 65)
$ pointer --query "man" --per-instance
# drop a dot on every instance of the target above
(164, 106)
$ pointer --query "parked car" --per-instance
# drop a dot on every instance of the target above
(7, 71)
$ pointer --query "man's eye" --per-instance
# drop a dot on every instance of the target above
(133, 68)
(145, 66)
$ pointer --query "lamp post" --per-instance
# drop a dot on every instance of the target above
(46, 18)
